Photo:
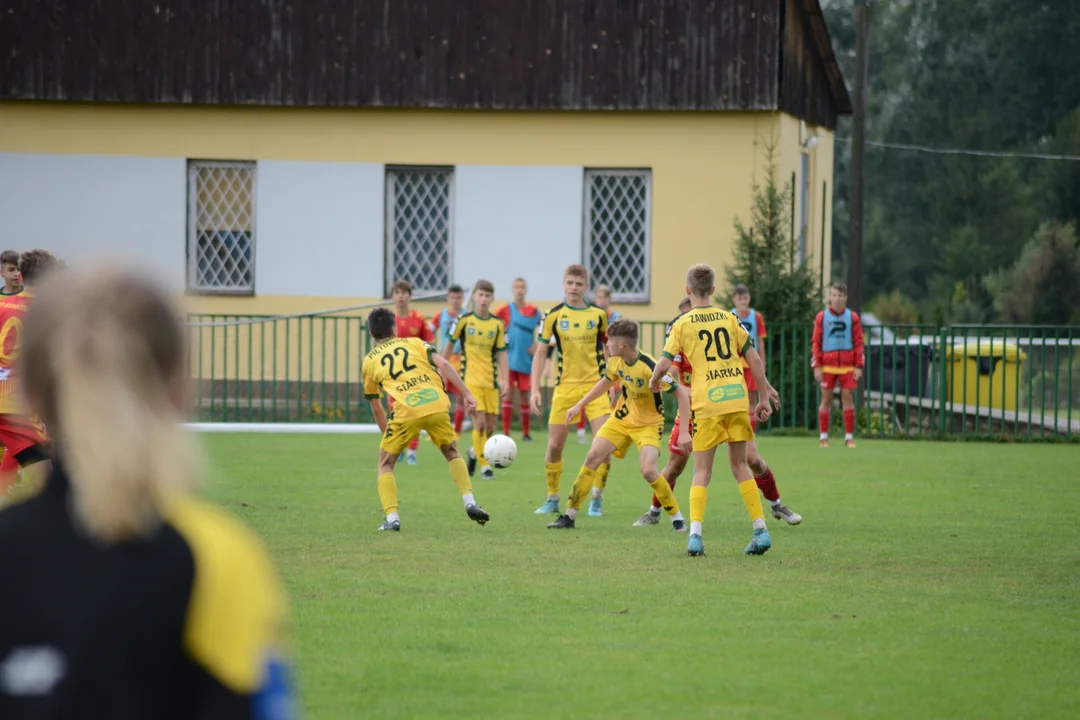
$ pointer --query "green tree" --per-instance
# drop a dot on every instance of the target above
(1043, 285)
(765, 255)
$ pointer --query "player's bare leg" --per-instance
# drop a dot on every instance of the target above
(647, 459)
(740, 470)
(766, 483)
(490, 423)
(460, 475)
(824, 416)
(483, 426)
(553, 468)
(847, 402)
(599, 452)
(676, 464)
(596, 504)
(699, 497)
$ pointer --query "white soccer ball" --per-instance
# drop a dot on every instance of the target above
(500, 451)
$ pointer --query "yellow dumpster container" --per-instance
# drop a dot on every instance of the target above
(983, 373)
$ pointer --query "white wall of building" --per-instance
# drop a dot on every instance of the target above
(97, 207)
(319, 229)
(319, 225)
(512, 221)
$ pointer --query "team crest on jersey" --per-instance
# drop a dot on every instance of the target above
(491, 334)
(640, 382)
(564, 324)
(591, 324)
(471, 331)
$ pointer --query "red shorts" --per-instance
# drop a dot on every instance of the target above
(846, 381)
(751, 383)
(673, 442)
(521, 381)
(24, 436)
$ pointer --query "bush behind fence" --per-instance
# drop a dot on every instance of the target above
(919, 380)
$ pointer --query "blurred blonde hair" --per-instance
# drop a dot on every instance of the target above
(104, 366)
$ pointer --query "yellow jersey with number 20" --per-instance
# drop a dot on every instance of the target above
(405, 369)
(713, 341)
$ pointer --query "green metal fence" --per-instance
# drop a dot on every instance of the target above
(919, 380)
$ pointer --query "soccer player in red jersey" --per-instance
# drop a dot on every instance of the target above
(837, 360)
(9, 271)
(521, 320)
(410, 323)
(763, 475)
(22, 433)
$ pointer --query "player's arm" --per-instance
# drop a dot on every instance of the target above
(504, 363)
(371, 392)
(426, 333)
(768, 397)
(762, 334)
(857, 343)
(547, 329)
(672, 348)
(448, 373)
(815, 346)
(456, 331)
(682, 395)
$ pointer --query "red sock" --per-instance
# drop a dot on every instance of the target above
(459, 417)
(507, 416)
(753, 424)
(849, 420)
(823, 420)
(581, 422)
(525, 410)
(655, 502)
(415, 444)
(767, 485)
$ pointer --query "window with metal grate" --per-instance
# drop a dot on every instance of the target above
(419, 227)
(617, 213)
(221, 227)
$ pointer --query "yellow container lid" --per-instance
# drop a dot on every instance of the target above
(983, 347)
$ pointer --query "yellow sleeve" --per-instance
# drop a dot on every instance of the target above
(235, 624)
(603, 324)
(547, 327)
(613, 369)
(371, 383)
(457, 330)
(673, 347)
(500, 338)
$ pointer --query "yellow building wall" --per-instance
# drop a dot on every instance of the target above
(702, 163)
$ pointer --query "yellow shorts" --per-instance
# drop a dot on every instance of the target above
(567, 396)
(487, 399)
(719, 429)
(620, 434)
(399, 433)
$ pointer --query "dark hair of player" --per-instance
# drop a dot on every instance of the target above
(9, 257)
(401, 285)
(453, 289)
(625, 329)
(839, 287)
(382, 324)
(740, 289)
(685, 304)
(35, 264)
(701, 278)
(484, 286)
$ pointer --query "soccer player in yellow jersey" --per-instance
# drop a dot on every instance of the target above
(638, 419)
(713, 342)
(578, 331)
(412, 373)
(484, 368)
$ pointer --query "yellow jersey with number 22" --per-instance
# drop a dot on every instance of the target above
(405, 369)
(713, 341)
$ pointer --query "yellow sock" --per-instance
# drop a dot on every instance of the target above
(554, 476)
(600, 481)
(750, 497)
(478, 439)
(667, 497)
(460, 473)
(585, 480)
(699, 496)
(388, 492)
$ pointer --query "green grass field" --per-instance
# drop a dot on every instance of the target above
(927, 581)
